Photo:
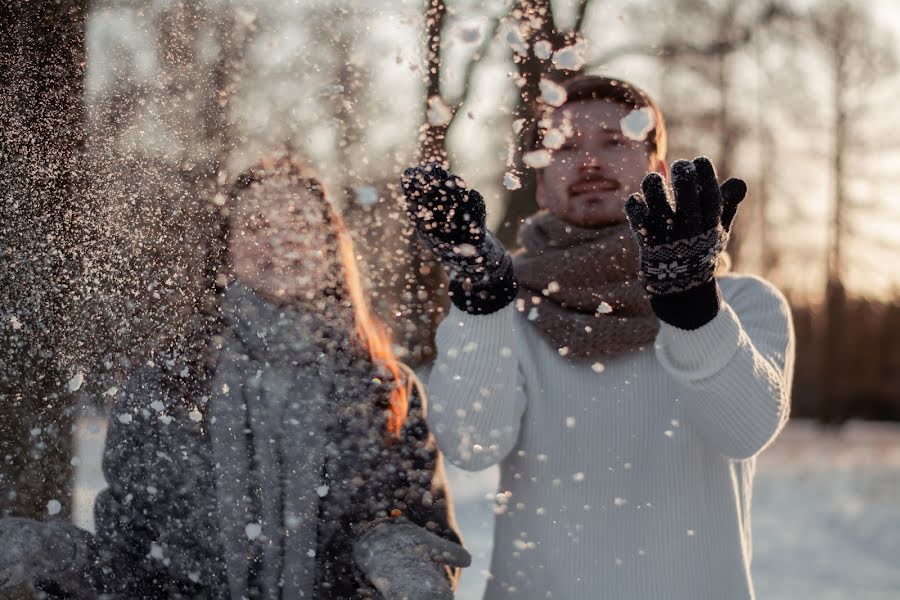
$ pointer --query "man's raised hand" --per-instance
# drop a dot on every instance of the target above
(450, 219)
(443, 209)
(681, 243)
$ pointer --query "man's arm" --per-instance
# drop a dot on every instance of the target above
(476, 399)
(734, 358)
(476, 396)
(736, 369)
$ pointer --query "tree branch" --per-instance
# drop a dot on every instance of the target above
(582, 12)
(680, 48)
(673, 49)
(433, 141)
(477, 56)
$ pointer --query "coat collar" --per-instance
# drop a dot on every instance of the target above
(273, 333)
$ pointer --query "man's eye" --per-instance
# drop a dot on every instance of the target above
(567, 147)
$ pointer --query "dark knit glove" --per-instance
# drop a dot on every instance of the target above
(680, 248)
(450, 220)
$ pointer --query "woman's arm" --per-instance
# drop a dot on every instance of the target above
(388, 495)
(415, 545)
(147, 542)
(428, 502)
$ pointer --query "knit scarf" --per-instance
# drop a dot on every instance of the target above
(580, 288)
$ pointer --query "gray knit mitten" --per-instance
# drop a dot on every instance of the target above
(450, 220)
(406, 562)
(680, 247)
(35, 551)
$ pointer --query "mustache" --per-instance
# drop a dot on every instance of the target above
(594, 181)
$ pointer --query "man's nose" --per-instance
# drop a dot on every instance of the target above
(590, 162)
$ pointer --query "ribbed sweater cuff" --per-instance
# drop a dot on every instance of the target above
(460, 327)
(697, 354)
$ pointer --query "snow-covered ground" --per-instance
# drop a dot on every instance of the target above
(826, 512)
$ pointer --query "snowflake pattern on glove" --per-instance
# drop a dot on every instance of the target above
(678, 267)
(681, 246)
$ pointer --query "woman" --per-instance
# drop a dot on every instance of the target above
(288, 458)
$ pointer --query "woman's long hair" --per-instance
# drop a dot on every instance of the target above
(347, 296)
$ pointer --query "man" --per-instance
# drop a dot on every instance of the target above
(623, 384)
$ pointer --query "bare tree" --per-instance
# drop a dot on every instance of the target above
(541, 37)
(424, 298)
(857, 54)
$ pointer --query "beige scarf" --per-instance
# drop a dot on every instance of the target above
(580, 288)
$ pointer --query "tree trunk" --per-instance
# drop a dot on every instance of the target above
(835, 297)
(768, 257)
(41, 146)
(537, 21)
(424, 296)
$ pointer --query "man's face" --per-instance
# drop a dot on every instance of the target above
(597, 167)
(277, 240)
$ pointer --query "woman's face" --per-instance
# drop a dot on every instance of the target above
(278, 240)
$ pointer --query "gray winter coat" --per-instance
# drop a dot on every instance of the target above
(259, 488)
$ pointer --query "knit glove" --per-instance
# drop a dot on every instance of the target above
(680, 247)
(404, 561)
(450, 220)
(35, 551)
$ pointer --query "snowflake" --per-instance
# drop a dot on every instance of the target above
(670, 270)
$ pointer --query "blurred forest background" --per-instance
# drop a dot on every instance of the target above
(123, 122)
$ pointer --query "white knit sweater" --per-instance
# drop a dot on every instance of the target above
(626, 479)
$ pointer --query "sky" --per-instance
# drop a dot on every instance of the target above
(394, 55)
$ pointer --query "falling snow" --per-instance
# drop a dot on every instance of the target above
(470, 34)
(76, 382)
(552, 93)
(570, 58)
(516, 39)
(253, 530)
(180, 100)
(543, 49)
(537, 159)
(553, 139)
(637, 124)
(438, 112)
(511, 181)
